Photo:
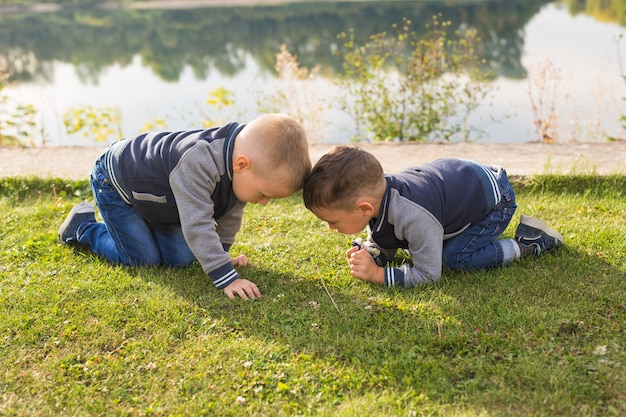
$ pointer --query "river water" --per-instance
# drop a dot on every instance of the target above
(159, 64)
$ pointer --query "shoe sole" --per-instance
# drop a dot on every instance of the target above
(541, 225)
(80, 208)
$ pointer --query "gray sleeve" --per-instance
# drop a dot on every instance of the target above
(424, 233)
(229, 224)
(193, 181)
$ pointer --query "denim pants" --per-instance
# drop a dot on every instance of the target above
(477, 247)
(125, 237)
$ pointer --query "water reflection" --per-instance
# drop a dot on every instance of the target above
(170, 40)
(164, 62)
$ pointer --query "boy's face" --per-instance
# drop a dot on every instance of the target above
(252, 188)
(348, 222)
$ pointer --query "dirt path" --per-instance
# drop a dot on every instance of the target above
(518, 159)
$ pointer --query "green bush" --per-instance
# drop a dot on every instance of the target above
(17, 120)
(411, 87)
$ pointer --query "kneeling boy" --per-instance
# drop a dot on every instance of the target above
(449, 211)
(169, 198)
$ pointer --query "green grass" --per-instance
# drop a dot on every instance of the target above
(542, 337)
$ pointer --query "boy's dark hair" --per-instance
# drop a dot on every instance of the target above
(342, 176)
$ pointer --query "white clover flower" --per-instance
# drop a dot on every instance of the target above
(600, 350)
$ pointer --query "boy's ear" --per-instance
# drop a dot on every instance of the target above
(241, 163)
(365, 207)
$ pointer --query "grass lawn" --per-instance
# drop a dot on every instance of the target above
(542, 337)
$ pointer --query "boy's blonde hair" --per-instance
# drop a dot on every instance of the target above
(342, 176)
(277, 141)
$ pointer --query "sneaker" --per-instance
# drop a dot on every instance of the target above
(81, 213)
(535, 237)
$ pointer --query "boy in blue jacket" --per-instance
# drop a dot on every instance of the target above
(449, 211)
(170, 198)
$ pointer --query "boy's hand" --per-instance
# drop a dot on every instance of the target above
(241, 260)
(363, 266)
(243, 288)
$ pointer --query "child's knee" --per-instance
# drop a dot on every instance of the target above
(145, 259)
(458, 261)
(179, 261)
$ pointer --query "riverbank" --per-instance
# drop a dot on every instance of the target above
(601, 158)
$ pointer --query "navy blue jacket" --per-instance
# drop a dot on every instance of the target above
(184, 178)
(425, 205)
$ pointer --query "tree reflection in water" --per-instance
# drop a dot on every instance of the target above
(236, 46)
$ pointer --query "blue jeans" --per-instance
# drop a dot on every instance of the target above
(478, 247)
(125, 237)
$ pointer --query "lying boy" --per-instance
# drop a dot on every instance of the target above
(170, 198)
(450, 210)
